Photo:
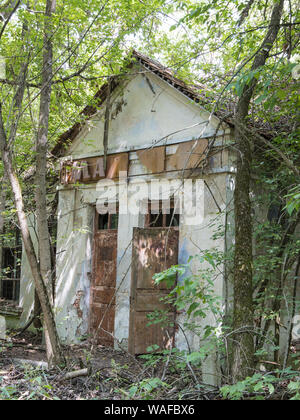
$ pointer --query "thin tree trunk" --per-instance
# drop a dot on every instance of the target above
(29, 248)
(243, 346)
(41, 164)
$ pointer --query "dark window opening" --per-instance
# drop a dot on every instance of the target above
(11, 270)
(103, 221)
(108, 221)
(163, 218)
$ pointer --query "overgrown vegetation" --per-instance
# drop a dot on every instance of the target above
(244, 55)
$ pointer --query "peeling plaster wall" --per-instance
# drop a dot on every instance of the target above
(27, 287)
(74, 248)
(74, 261)
(74, 256)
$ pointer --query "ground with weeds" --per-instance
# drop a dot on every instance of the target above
(107, 374)
(112, 374)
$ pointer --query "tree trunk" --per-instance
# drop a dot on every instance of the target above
(243, 345)
(41, 164)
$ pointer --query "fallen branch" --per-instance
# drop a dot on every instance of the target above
(75, 374)
(34, 363)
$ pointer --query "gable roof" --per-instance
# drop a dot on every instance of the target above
(190, 91)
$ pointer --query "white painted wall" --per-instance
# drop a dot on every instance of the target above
(145, 119)
(74, 261)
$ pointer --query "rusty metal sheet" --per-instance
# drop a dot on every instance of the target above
(153, 159)
(102, 306)
(100, 315)
(147, 335)
(146, 300)
(157, 249)
(184, 159)
(154, 250)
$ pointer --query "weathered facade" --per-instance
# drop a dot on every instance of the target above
(104, 264)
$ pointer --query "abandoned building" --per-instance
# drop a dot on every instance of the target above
(155, 128)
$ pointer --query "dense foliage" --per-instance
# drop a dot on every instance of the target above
(212, 45)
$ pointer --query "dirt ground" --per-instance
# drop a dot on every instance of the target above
(112, 375)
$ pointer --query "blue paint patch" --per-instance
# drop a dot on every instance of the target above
(183, 258)
(184, 255)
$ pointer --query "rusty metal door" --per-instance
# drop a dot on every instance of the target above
(154, 250)
(102, 307)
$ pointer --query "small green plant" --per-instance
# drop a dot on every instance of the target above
(194, 293)
(257, 385)
(262, 386)
(118, 374)
(37, 386)
(147, 389)
(294, 388)
(7, 392)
